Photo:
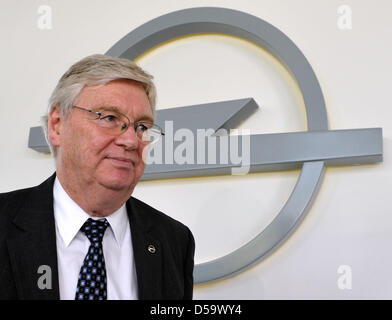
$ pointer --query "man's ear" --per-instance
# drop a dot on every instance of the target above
(54, 126)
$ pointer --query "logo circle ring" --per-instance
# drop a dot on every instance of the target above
(245, 26)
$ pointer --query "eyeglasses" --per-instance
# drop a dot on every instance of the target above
(117, 123)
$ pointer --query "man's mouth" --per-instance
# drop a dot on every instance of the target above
(121, 162)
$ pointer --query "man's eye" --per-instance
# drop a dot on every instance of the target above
(109, 118)
(141, 127)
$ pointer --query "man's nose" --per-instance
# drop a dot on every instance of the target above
(128, 138)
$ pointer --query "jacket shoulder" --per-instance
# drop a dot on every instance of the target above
(154, 215)
(157, 220)
(11, 201)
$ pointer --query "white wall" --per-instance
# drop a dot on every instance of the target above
(350, 221)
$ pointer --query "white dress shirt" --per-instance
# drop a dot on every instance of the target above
(72, 246)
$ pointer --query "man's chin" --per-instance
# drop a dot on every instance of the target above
(115, 187)
(117, 184)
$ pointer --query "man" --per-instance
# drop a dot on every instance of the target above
(80, 235)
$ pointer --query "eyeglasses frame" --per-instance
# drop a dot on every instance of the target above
(99, 114)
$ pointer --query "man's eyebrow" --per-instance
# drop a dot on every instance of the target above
(107, 107)
(146, 118)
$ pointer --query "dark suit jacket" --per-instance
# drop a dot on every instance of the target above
(28, 241)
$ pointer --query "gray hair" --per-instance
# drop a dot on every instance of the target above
(93, 70)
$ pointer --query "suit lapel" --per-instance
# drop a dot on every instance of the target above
(32, 245)
(147, 253)
(33, 253)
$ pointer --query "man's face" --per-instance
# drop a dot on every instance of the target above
(91, 155)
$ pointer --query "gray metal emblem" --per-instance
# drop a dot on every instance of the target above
(311, 150)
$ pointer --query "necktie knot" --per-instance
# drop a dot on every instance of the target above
(95, 229)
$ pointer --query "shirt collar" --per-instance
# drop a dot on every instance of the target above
(70, 217)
